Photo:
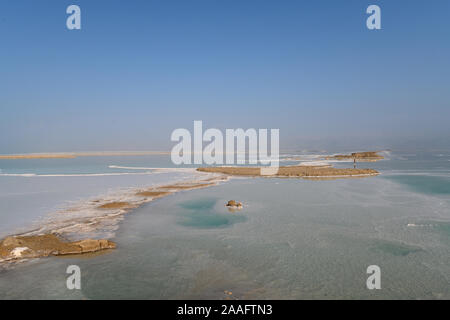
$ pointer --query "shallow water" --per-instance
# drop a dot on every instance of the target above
(293, 239)
(203, 213)
(433, 185)
(33, 189)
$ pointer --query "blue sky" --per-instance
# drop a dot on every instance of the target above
(137, 70)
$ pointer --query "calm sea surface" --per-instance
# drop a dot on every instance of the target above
(293, 239)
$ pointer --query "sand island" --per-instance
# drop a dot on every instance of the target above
(308, 170)
(294, 172)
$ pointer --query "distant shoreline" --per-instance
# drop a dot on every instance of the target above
(71, 155)
(359, 156)
(367, 156)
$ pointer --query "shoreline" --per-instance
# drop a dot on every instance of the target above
(87, 218)
(93, 223)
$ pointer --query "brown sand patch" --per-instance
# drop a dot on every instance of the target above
(116, 205)
(153, 193)
(48, 245)
(294, 171)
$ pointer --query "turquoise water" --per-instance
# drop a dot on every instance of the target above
(396, 249)
(424, 184)
(202, 214)
(294, 239)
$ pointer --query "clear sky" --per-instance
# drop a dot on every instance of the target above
(137, 70)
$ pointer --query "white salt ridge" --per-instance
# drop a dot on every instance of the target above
(74, 174)
(314, 163)
(27, 199)
(84, 219)
(17, 252)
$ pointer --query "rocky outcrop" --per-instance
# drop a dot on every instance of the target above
(360, 156)
(22, 247)
(234, 204)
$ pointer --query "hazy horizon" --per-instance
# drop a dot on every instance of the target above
(137, 71)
